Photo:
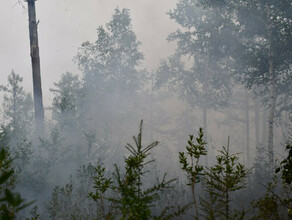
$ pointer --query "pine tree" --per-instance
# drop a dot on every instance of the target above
(67, 98)
(192, 166)
(18, 110)
(226, 176)
(10, 202)
(125, 196)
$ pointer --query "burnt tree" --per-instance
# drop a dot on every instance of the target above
(36, 70)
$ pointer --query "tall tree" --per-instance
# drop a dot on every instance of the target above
(265, 52)
(66, 102)
(36, 69)
(257, 120)
(114, 58)
(247, 126)
(112, 75)
(17, 106)
(201, 38)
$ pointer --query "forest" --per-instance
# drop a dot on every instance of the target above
(205, 135)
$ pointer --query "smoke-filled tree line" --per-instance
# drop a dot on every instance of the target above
(230, 74)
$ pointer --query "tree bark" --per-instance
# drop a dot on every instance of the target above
(206, 105)
(257, 121)
(36, 70)
(272, 101)
(247, 146)
(151, 108)
(205, 122)
(264, 121)
(272, 98)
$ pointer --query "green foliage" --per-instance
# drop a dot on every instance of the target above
(102, 185)
(226, 176)
(202, 38)
(276, 202)
(263, 52)
(209, 205)
(195, 151)
(286, 166)
(34, 214)
(68, 92)
(17, 106)
(112, 79)
(263, 23)
(125, 196)
(192, 167)
(218, 181)
(18, 112)
(8, 177)
(10, 202)
(111, 62)
(71, 201)
(268, 205)
(61, 202)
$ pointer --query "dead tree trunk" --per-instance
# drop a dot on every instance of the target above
(36, 70)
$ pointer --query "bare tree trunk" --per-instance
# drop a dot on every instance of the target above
(257, 121)
(205, 107)
(36, 70)
(264, 120)
(205, 130)
(272, 97)
(247, 128)
(205, 122)
(272, 101)
(151, 108)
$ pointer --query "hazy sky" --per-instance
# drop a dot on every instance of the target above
(65, 24)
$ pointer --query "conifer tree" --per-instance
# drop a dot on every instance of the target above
(10, 202)
(226, 176)
(192, 166)
(125, 196)
(67, 97)
(18, 110)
